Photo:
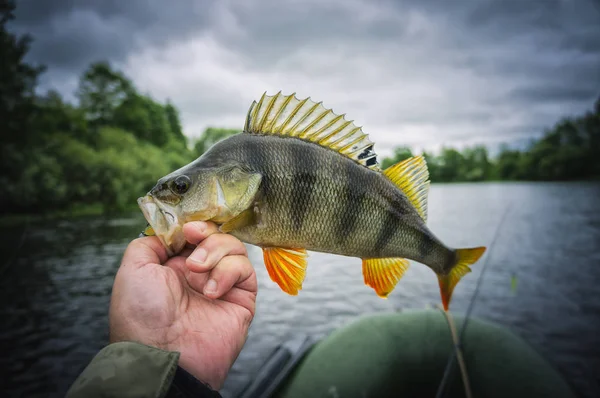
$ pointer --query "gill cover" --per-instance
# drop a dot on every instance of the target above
(235, 191)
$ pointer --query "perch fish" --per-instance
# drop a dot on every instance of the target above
(300, 177)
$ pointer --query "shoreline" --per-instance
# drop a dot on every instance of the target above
(77, 211)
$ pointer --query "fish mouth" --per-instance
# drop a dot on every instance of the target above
(166, 222)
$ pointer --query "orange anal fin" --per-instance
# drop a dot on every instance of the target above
(382, 274)
(465, 257)
(286, 267)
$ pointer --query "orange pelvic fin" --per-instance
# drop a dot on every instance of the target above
(382, 274)
(286, 267)
(465, 257)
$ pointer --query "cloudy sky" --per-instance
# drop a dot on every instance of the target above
(417, 72)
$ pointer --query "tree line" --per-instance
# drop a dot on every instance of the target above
(106, 150)
(570, 150)
(113, 144)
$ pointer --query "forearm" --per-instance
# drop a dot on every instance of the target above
(129, 369)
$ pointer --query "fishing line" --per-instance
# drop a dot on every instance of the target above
(470, 308)
(458, 352)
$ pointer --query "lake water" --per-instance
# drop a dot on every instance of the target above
(57, 277)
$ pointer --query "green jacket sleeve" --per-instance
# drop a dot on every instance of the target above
(127, 369)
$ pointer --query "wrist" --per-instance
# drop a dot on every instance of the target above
(133, 331)
(206, 366)
(201, 369)
(205, 370)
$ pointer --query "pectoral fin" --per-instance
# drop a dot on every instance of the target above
(286, 267)
(148, 231)
(382, 274)
(245, 218)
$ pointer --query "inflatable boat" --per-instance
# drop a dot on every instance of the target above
(406, 355)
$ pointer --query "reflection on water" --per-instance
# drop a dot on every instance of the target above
(57, 283)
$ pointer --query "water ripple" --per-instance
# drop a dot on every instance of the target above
(56, 291)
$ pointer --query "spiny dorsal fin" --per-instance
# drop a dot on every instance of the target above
(412, 177)
(311, 121)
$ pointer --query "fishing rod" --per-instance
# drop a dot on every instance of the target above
(458, 341)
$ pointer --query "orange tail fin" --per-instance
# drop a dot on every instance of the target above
(465, 257)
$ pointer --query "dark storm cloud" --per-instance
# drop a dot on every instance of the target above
(553, 92)
(276, 28)
(69, 34)
(428, 70)
(516, 15)
(541, 42)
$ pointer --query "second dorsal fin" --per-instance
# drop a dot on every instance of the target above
(286, 115)
(412, 177)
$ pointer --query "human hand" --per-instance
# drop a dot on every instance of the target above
(172, 304)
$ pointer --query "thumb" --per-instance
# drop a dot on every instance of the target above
(142, 251)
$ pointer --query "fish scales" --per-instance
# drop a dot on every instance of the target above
(314, 198)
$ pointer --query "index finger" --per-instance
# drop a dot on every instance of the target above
(149, 249)
(196, 231)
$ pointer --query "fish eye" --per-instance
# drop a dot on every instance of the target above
(180, 185)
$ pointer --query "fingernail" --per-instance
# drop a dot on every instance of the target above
(199, 255)
(210, 287)
(201, 226)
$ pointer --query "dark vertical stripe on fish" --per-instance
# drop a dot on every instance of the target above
(386, 231)
(303, 185)
(352, 205)
(450, 262)
(426, 245)
(256, 156)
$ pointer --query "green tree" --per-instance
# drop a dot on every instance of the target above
(160, 129)
(590, 123)
(133, 115)
(211, 136)
(101, 91)
(450, 165)
(573, 152)
(174, 122)
(146, 118)
(55, 116)
(17, 110)
(400, 153)
(508, 163)
(476, 164)
(17, 81)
